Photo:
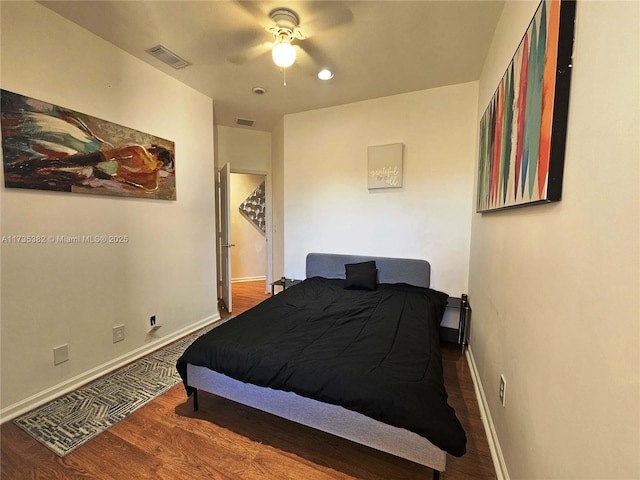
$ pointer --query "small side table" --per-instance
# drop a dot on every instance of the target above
(458, 307)
(465, 321)
(284, 283)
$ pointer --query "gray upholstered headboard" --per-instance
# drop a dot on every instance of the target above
(390, 270)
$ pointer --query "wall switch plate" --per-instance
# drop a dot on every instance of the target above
(118, 333)
(60, 354)
(503, 387)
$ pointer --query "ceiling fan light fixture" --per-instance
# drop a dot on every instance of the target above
(325, 74)
(283, 53)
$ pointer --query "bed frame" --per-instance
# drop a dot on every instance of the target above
(326, 417)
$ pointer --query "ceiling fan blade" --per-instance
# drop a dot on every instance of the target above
(323, 16)
(311, 57)
(305, 62)
(246, 45)
(249, 54)
(256, 10)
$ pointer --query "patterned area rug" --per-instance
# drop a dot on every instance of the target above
(73, 419)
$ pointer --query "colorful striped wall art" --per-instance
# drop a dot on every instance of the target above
(523, 129)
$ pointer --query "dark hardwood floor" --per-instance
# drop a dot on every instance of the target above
(166, 440)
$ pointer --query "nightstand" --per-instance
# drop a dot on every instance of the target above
(458, 308)
(284, 283)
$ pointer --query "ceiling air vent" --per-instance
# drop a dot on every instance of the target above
(165, 55)
(245, 122)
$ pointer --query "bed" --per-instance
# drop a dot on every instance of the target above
(353, 350)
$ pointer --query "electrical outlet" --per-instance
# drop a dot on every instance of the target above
(152, 320)
(503, 387)
(60, 354)
(118, 333)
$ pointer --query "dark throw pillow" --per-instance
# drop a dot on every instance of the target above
(361, 276)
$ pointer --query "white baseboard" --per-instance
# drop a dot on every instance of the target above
(248, 279)
(492, 437)
(40, 398)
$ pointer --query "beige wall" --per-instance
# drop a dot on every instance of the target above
(249, 256)
(328, 208)
(57, 294)
(555, 288)
(246, 150)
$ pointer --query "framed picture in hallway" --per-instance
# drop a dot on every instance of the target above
(523, 129)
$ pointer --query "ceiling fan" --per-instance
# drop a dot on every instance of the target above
(288, 40)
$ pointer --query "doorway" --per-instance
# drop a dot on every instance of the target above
(248, 200)
(248, 227)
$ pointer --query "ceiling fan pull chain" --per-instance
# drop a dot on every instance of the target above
(284, 77)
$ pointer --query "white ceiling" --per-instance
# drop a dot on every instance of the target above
(376, 48)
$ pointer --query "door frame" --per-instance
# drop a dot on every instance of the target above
(224, 240)
(268, 231)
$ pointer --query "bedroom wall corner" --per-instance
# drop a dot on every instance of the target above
(277, 189)
(75, 294)
(554, 288)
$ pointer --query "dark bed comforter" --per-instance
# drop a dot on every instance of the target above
(374, 352)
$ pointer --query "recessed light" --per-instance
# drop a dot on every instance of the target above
(325, 74)
(258, 90)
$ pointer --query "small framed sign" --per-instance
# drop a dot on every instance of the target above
(385, 166)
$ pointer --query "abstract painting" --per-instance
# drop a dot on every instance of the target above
(253, 208)
(523, 130)
(47, 147)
